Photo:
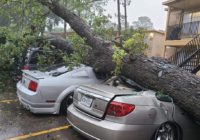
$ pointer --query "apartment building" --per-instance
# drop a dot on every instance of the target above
(182, 40)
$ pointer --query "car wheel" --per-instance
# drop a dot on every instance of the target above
(67, 101)
(167, 131)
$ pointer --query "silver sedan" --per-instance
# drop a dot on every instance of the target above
(51, 92)
(122, 109)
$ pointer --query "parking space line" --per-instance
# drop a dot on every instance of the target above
(40, 133)
(8, 101)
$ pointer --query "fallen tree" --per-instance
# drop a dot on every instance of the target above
(153, 73)
(61, 44)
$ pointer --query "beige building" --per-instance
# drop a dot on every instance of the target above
(155, 40)
(183, 23)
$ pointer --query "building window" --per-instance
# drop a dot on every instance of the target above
(191, 24)
(187, 17)
(196, 16)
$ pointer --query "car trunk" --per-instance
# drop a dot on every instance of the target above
(29, 76)
(95, 99)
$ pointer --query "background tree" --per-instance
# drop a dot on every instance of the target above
(87, 9)
(51, 21)
(143, 22)
(22, 14)
(126, 3)
(119, 22)
(136, 44)
(4, 21)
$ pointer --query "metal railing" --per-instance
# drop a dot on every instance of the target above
(188, 57)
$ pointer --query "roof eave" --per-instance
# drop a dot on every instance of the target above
(169, 2)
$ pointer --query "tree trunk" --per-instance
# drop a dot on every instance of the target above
(125, 13)
(61, 44)
(119, 22)
(65, 27)
(153, 73)
(158, 74)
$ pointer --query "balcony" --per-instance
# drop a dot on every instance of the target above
(182, 4)
(180, 35)
(169, 2)
(186, 30)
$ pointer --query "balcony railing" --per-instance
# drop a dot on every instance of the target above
(186, 30)
(188, 57)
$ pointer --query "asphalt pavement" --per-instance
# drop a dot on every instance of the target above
(16, 123)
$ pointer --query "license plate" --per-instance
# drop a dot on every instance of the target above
(86, 101)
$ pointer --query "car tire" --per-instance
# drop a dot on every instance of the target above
(66, 102)
(167, 131)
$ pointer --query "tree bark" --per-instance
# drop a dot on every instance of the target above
(152, 73)
(65, 27)
(119, 22)
(158, 74)
(125, 14)
(61, 44)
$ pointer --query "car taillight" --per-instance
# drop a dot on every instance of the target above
(32, 86)
(25, 67)
(118, 109)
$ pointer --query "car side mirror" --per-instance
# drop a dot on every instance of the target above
(163, 97)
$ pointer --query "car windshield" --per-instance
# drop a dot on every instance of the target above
(124, 82)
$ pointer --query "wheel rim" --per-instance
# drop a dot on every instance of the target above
(165, 132)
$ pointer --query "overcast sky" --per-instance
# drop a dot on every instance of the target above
(151, 8)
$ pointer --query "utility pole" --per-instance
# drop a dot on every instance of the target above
(119, 22)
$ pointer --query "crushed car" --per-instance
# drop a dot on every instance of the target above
(51, 91)
(122, 109)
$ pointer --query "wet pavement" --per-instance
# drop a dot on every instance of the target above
(16, 123)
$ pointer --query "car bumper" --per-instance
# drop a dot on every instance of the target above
(107, 130)
(33, 101)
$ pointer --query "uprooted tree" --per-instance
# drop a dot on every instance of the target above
(153, 73)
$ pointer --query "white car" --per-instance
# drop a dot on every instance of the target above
(51, 92)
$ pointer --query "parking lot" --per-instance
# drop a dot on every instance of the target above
(16, 123)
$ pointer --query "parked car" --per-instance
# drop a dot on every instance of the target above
(122, 109)
(51, 92)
